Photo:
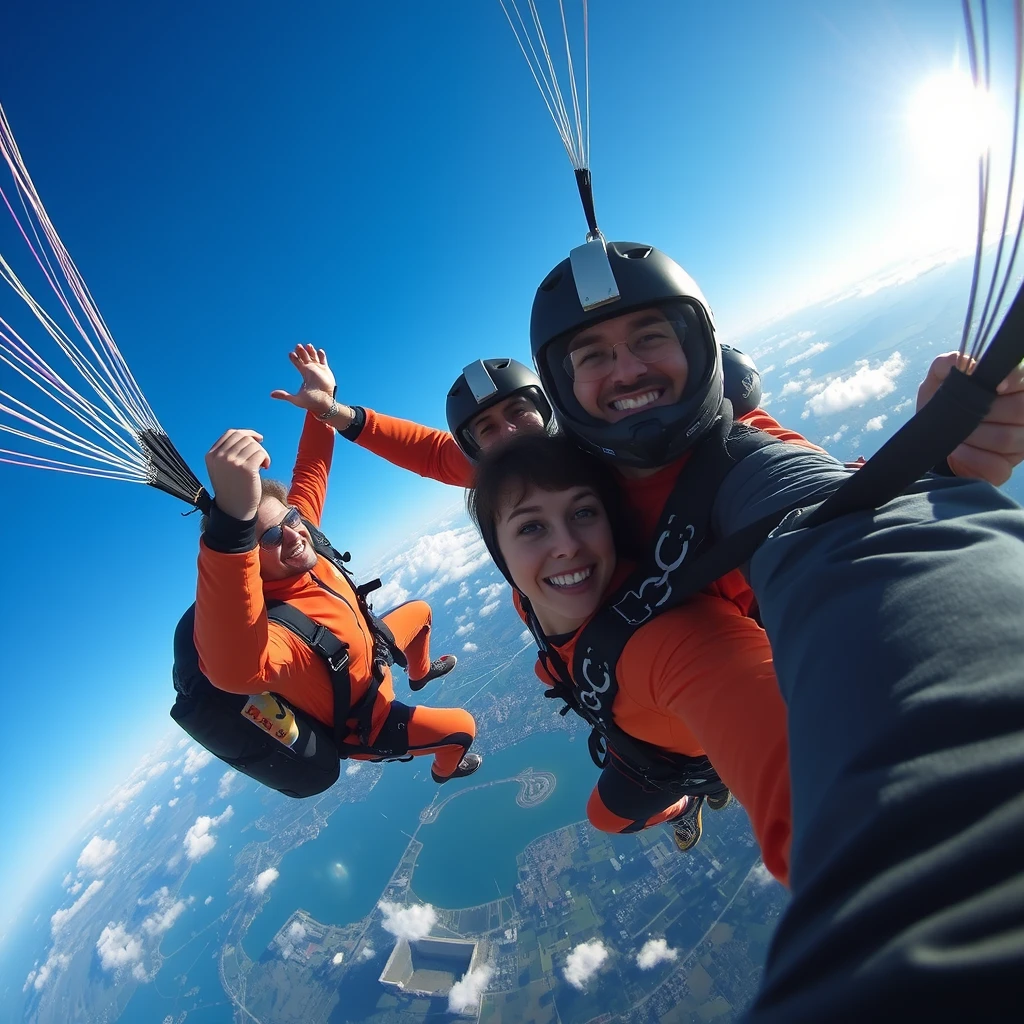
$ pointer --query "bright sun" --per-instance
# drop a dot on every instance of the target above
(950, 120)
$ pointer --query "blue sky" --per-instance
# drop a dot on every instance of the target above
(384, 181)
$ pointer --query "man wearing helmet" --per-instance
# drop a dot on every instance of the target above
(917, 726)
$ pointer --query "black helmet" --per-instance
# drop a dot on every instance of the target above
(485, 383)
(742, 381)
(644, 276)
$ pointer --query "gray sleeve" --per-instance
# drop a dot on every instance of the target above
(775, 477)
(898, 639)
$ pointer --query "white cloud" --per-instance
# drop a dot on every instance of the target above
(122, 797)
(353, 767)
(875, 423)
(157, 769)
(435, 561)
(466, 992)
(791, 387)
(410, 923)
(183, 742)
(296, 931)
(139, 973)
(227, 780)
(469, 648)
(654, 952)
(808, 353)
(863, 386)
(168, 910)
(584, 962)
(760, 875)
(73, 889)
(766, 397)
(208, 901)
(62, 916)
(367, 952)
(264, 880)
(337, 958)
(196, 760)
(117, 947)
(490, 608)
(526, 636)
(466, 629)
(173, 801)
(68, 879)
(450, 601)
(153, 812)
(492, 591)
(767, 370)
(55, 962)
(905, 404)
(391, 595)
(98, 856)
(199, 839)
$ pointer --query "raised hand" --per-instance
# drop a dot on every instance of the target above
(316, 394)
(997, 444)
(234, 465)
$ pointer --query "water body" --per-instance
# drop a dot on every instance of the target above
(339, 876)
(469, 853)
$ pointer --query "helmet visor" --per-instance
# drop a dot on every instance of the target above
(591, 358)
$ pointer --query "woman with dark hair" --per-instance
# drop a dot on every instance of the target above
(693, 684)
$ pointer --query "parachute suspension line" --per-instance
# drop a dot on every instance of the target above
(127, 442)
(987, 326)
(984, 324)
(124, 389)
(574, 130)
(983, 169)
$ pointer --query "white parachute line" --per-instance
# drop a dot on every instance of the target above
(65, 440)
(40, 462)
(87, 414)
(586, 80)
(983, 178)
(74, 355)
(549, 88)
(111, 367)
(574, 154)
(113, 397)
(50, 426)
(538, 73)
(987, 326)
(111, 360)
(584, 156)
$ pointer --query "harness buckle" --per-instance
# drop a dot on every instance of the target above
(337, 662)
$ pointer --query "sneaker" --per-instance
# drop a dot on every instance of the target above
(467, 766)
(686, 829)
(439, 667)
(719, 801)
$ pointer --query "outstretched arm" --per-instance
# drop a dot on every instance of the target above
(308, 489)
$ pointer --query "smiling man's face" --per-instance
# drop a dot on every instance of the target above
(294, 554)
(631, 384)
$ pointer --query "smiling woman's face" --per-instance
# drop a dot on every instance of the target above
(559, 550)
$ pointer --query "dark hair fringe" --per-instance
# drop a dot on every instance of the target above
(552, 463)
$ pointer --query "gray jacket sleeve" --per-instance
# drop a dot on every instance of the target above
(898, 638)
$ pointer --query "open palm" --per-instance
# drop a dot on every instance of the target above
(316, 393)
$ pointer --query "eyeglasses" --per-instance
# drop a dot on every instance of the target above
(648, 344)
(272, 538)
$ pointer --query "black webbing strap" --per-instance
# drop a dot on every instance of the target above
(334, 653)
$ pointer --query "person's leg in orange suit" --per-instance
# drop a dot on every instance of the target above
(410, 622)
(620, 804)
(444, 732)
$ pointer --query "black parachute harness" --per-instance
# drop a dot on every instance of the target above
(658, 583)
(220, 721)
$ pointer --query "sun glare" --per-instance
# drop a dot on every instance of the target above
(950, 121)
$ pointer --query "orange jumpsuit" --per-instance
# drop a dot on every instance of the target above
(242, 652)
(715, 694)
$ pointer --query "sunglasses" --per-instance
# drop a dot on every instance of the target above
(272, 538)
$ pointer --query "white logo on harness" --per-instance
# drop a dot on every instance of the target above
(589, 692)
(635, 606)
